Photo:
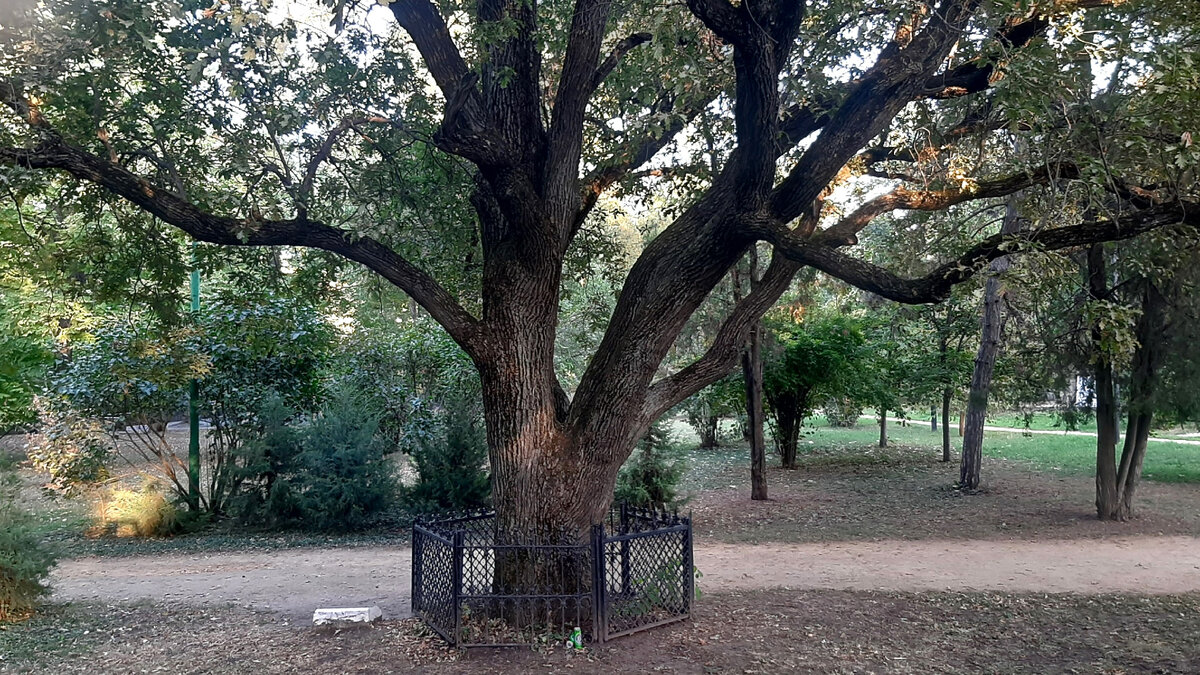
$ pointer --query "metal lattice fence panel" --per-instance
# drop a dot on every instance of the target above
(648, 579)
(476, 586)
(433, 596)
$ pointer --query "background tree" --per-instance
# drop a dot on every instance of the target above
(819, 359)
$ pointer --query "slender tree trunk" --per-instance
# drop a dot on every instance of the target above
(789, 437)
(709, 438)
(946, 424)
(933, 415)
(883, 428)
(752, 370)
(1137, 436)
(1107, 503)
(985, 364)
(1146, 359)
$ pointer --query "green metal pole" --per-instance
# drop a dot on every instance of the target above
(194, 406)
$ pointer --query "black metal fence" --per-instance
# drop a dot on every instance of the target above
(476, 587)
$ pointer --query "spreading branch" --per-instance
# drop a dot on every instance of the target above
(575, 89)
(466, 130)
(722, 355)
(894, 80)
(630, 156)
(55, 153)
(936, 285)
(982, 72)
(614, 57)
(845, 231)
(322, 154)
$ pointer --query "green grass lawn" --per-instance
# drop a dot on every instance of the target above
(1165, 462)
(1041, 421)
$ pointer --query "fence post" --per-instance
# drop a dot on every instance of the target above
(599, 595)
(458, 572)
(416, 576)
(624, 549)
(689, 570)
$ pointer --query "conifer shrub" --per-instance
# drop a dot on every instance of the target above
(651, 475)
(25, 560)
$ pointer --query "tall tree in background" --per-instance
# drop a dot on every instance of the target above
(243, 125)
(992, 327)
(752, 375)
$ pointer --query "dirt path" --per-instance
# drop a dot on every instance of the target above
(294, 582)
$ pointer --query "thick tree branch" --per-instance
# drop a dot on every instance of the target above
(54, 153)
(428, 30)
(721, 17)
(971, 77)
(896, 79)
(936, 285)
(845, 231)
(466, 130)
(722, 355)
(980, 73)
(614, 57)
(575, 88)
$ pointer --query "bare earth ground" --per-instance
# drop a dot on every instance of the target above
(295, 582)
(860, 564)
(905, 493)
(755, 632)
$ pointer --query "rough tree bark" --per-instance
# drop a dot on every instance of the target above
(883, 427)
(985, 362)
(752, 377)
(752, 371)
(1107, 501)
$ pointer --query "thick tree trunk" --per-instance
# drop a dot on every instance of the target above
(946, 424)
(752, 371)
(883, 427)
(985, 364)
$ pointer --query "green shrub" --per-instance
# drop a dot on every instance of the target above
(705, 409)
(73, 451)
(328, 473)
(341, 475)
(650, 477)
(261, 349)
(25, 560)
(451, 457)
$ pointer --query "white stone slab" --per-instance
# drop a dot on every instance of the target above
(348, 614)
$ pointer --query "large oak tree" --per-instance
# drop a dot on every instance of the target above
(242, 124)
